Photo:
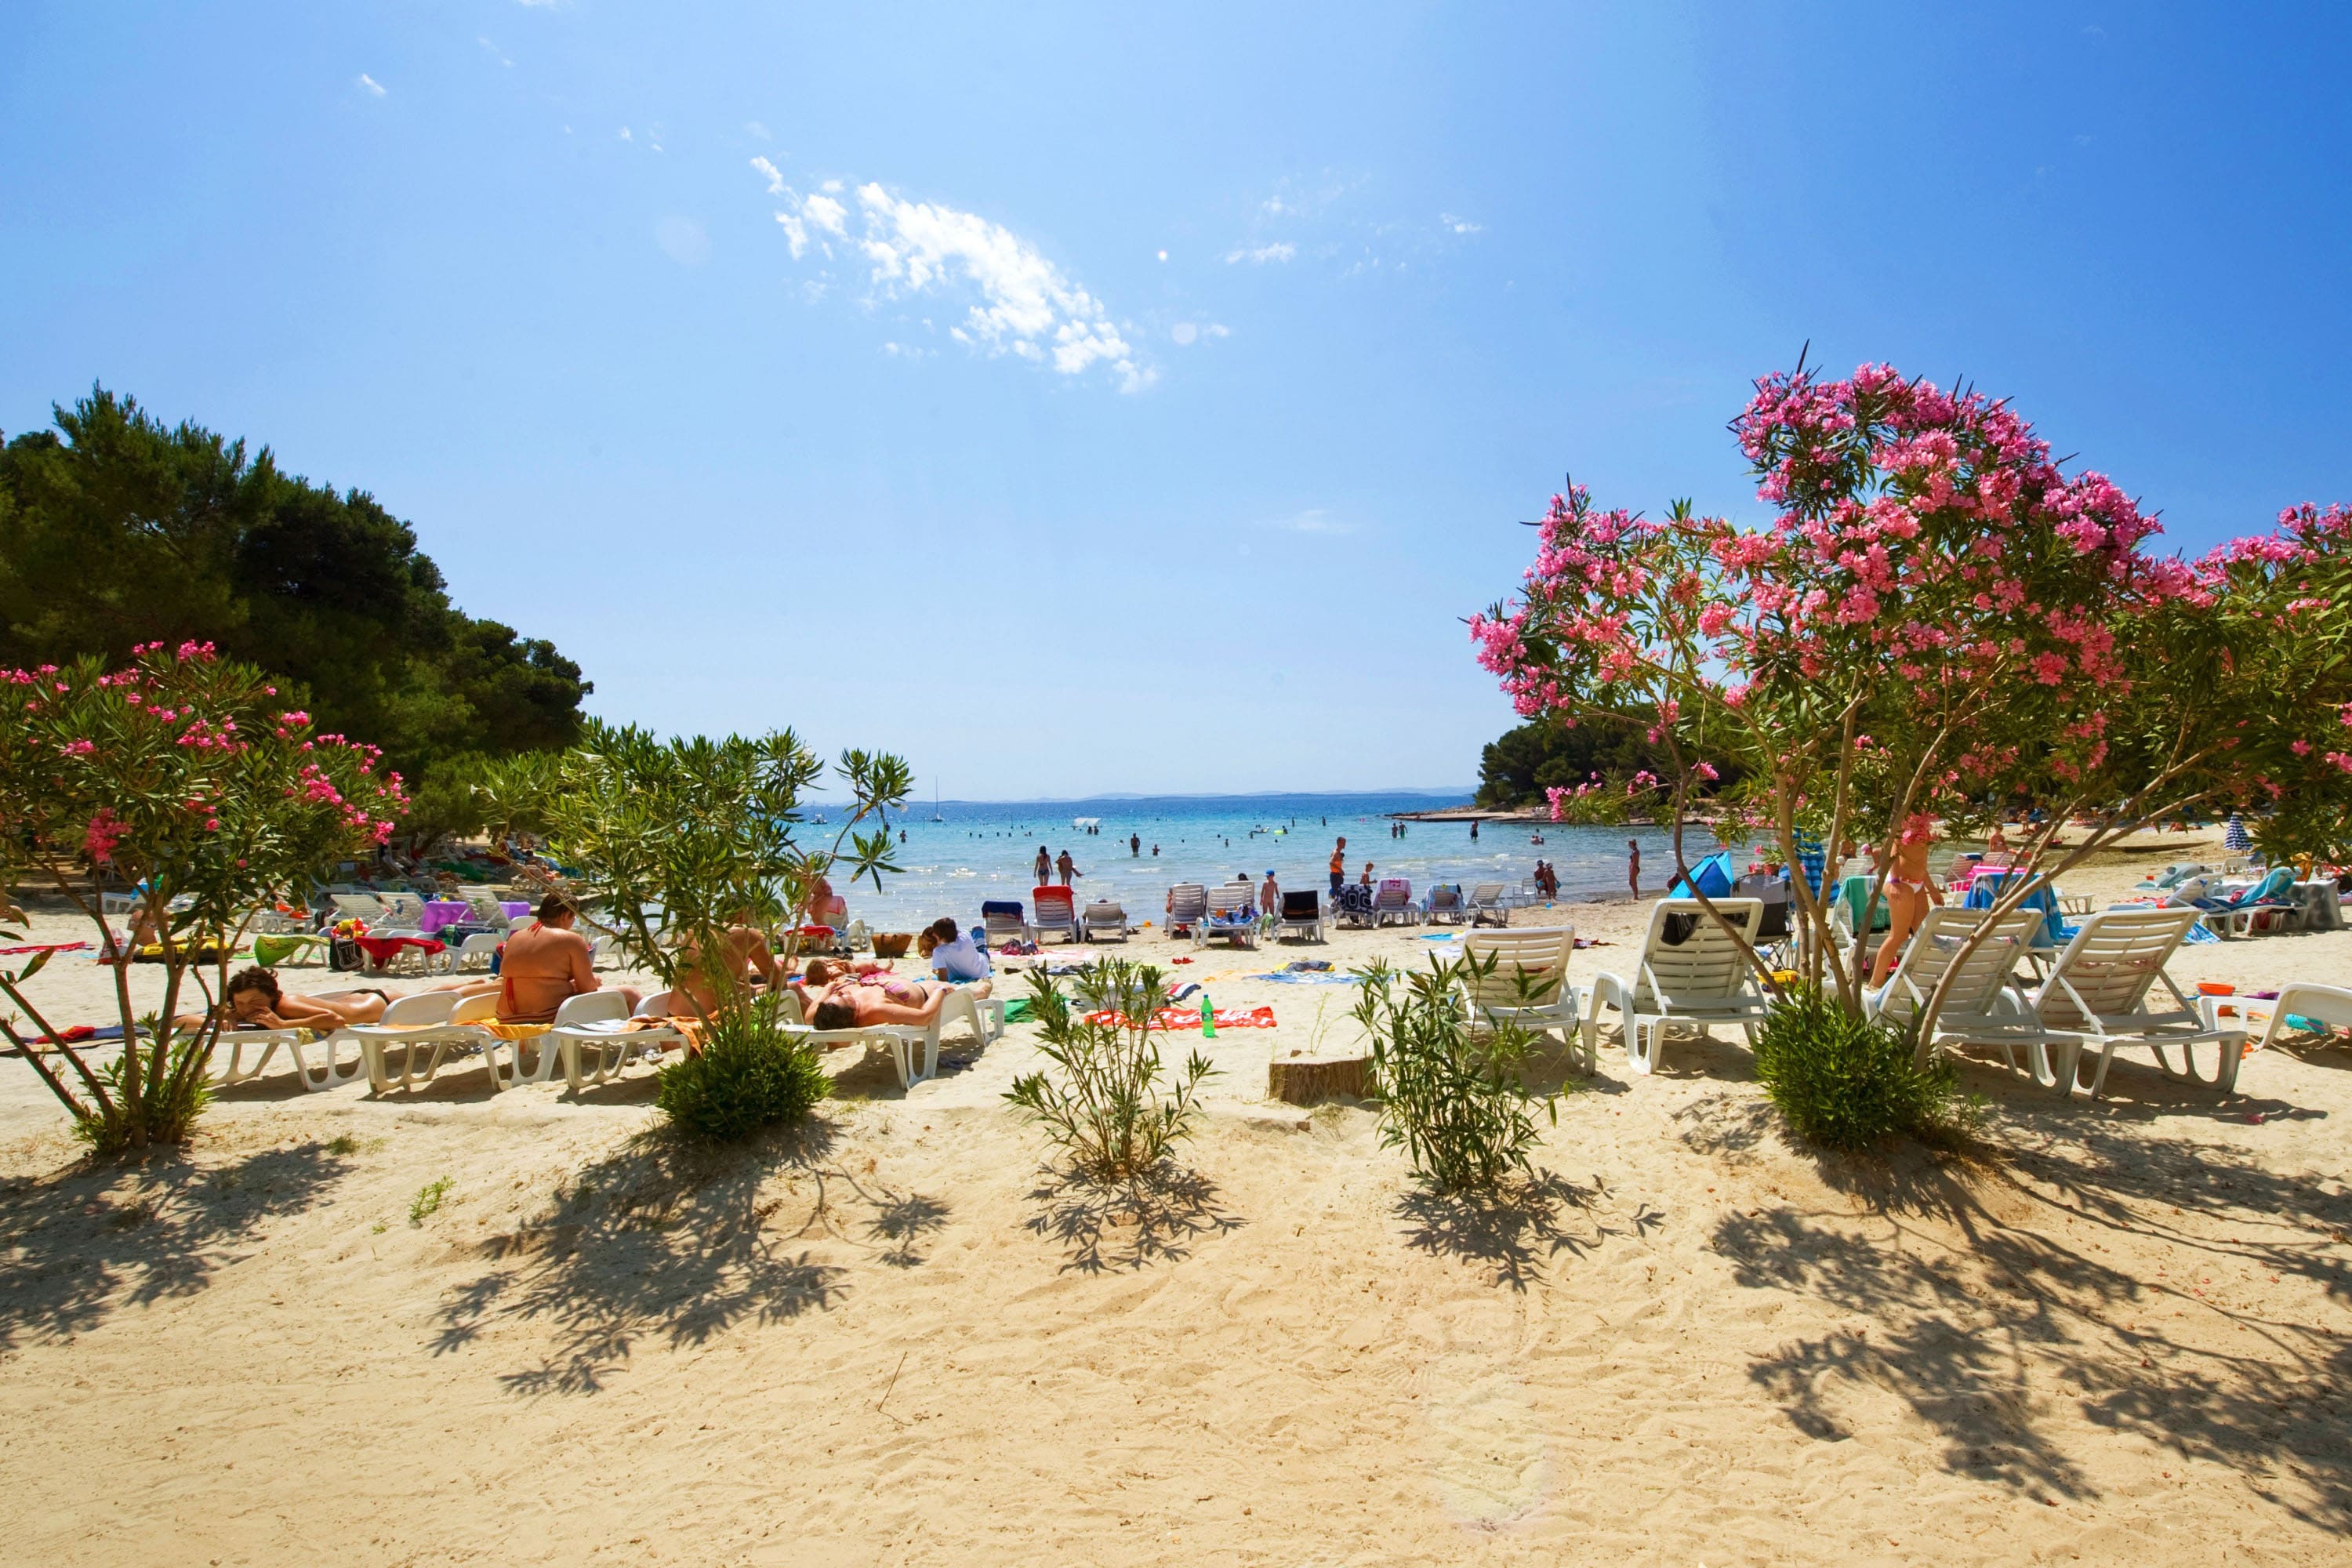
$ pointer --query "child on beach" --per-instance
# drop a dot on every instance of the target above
(1270, 895)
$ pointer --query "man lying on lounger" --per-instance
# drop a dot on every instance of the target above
(746, 957)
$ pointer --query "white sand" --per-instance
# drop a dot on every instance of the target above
(2122, 1336)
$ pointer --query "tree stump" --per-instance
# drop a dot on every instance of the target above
(1303, 1080)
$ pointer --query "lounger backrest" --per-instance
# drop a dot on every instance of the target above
(1444, 898)
(1537, 956)
(1230, 897)
(660, 1005)
(1187, 901)
(1055, 906)
(1304, 906)
(1487, 893)
(425, 1007)
(1394, 893)
(2107, 970)
(590, 1007)
(358, 907)
(1976, 990)
(481, 1009)
(1706, 964)
(1104, 910)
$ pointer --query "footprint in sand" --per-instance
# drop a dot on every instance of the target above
(1481, 1442)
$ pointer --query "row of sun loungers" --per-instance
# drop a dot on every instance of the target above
(2107, 991)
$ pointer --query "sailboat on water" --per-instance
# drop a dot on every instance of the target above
(935, 802)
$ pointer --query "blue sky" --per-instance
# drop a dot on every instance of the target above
(1150, 393)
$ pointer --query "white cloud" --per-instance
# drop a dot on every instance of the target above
(775, 176)
(1259, 256)
(684, 240)
(1314, 520)
(1020, 303)
(492, 50)
(754, 128)
(1458, 224)
(624, 134)
(368, 84)
(1184, 331)
(1190, 332)
(827, 214)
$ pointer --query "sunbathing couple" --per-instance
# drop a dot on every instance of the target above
(842, 995)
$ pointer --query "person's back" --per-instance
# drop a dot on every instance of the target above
(1270, 895)
(545, 963)
(960, 960)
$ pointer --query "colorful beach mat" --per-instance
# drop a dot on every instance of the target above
(1173, 1019)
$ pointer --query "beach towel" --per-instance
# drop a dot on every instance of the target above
(1286, 977)
(43, 947)
(1173, 1019)
(382, 950)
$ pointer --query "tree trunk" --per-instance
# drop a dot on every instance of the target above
(1303, 1080)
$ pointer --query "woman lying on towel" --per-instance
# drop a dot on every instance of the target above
(858, 1001)
(255, 1002)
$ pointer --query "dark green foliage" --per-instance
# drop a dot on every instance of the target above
(106, 1124)
(116, 530)
(1108, 1112)
(1516, 768)
(1454, 1097)
(749, 1074)
(1845, 1083)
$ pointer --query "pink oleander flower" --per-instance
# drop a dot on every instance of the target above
(104, 832)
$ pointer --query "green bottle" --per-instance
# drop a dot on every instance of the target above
(1208, 1018)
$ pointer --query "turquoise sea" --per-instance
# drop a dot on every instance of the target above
(985, 849)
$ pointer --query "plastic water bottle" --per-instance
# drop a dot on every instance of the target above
(1208, 1018)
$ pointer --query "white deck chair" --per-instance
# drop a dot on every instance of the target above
(477, 951)
(901, 1039)
(1104, 918)
(296, 1044)
(1226, 901)
(1392, 901)
(1188, 904)
(2095, 1000)
(2329, 1005)
(1445, 905)
(1528, 984)
(1982, 1005)
(1004, 926)
(1703, 980)
(597, 1021)
(360, 907)
(1486, 907)
(1058, 915)
(428, 1018)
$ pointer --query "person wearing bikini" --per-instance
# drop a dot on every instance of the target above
(857, 1000)
(546, 965)
(1909, 892)
(255, 1001)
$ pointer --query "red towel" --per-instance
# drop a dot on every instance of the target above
(381, 950)
(1174, 1018)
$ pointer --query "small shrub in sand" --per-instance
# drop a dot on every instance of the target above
(1109, 1107)
(1451, 1096)
(749, 1075)
(1845, 1083)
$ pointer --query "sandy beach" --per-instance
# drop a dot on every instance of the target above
(2118, 1332)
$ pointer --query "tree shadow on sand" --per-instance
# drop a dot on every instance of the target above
(1514, 1231)
(1154, 1217)
(664, 1239)
(1991, 1302)
(77, 1245)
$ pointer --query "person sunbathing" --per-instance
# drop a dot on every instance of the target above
(748, 961)
(256, 1001)
(546, 965)
(864, 1000)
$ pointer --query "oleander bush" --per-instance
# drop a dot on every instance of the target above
(1847, 1083)
(1110, 1106)
(750, 1074)
(1454, 1097)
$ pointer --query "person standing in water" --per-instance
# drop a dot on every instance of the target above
(1067, 868)
(1634, 865)
(1474, 830)
(1044, 866)
(1135, 845)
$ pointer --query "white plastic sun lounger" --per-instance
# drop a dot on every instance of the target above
(1227, 902)
(1392, 901)
(597, 1021)
(1486, 907)
(1521, 977)
(902, 1039)
(1982, 1005)
(2329, 1005)
(1702, 979)
(2096, 1002)
(1103, 917)
(295, 1043)
(441, 1019)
